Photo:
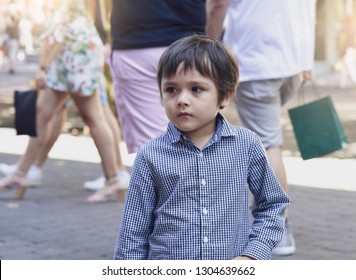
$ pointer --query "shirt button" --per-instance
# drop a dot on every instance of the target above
(201, 154)
(205, 211)
(203, 182)
(206, 239)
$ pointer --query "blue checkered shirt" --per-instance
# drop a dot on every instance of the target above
(187, 203)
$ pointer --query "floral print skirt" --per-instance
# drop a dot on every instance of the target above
(78, 68)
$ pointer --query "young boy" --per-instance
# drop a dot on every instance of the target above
(188, 195)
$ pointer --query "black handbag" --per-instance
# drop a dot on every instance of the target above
(25, 112)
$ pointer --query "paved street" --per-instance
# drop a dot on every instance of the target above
(55, 222)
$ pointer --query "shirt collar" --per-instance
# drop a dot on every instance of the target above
(223, 129)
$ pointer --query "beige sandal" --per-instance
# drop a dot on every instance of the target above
(15, 180)
(115, 189)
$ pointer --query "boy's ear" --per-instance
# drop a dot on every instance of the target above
(226, 100)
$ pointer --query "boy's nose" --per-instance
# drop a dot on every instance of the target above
(183, 98)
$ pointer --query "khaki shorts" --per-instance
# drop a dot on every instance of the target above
(259, 106)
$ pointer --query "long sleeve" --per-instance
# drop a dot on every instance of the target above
(271, 202)
(137, 220)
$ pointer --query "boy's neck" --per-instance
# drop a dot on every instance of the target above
(202, 141)
(202, 138)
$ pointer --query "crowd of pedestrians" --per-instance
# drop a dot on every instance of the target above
(168, 84)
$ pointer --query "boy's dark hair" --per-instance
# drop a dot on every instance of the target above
(208, 56)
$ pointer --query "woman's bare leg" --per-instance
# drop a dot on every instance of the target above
(116, 182)
(56, 129)
(47, 104)
(115, 128)
(93, 115)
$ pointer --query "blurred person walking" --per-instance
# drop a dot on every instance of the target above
(12, 35)
(274, 43)
(102, 24)
(26, 37)
(140, 31)
(347, 49)
(71, 62)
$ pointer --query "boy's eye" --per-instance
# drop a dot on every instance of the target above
(196, 89)
(171, 90)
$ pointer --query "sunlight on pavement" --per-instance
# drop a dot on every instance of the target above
(327, 173)
(67, 147)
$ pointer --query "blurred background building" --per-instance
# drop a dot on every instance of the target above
(335, 26)
(335, 30)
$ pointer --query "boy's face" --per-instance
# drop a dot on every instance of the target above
(191, 102)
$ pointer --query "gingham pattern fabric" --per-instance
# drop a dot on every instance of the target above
(186, 203)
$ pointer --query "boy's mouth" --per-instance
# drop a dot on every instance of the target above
(184, 114)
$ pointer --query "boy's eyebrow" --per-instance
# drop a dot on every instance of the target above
(193, 83)
(200, 82)
(188, 78)
(167, 81)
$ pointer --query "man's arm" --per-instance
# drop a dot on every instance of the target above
(215, 15)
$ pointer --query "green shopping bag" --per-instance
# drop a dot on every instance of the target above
(317, 128)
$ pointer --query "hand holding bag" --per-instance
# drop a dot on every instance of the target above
(25, 112)
(317, 128)
(25, 101)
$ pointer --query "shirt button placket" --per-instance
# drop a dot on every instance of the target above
(205, 222)
(203, 204)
